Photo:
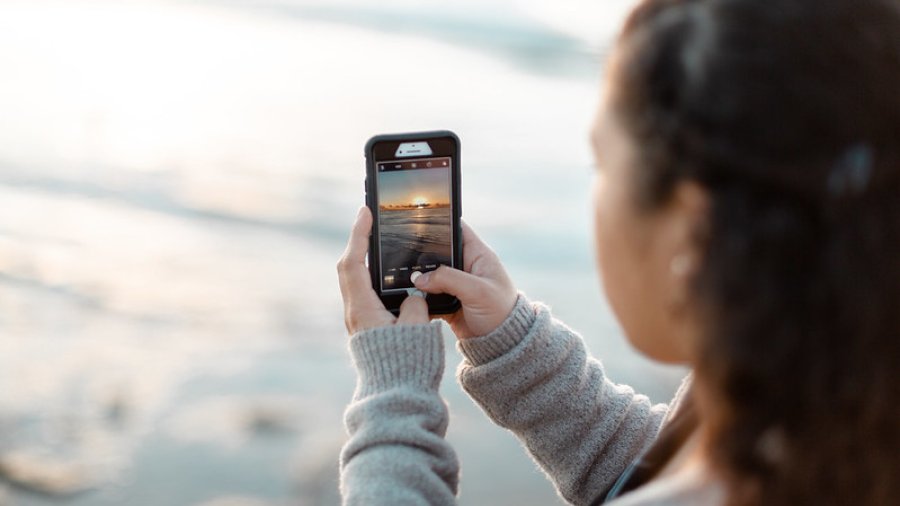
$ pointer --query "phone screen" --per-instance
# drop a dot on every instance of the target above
(415, 211)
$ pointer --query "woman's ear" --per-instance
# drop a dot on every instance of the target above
(692, 199)
(686, 216)
(679, 257)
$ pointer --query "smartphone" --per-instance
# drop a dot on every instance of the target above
(413, 190)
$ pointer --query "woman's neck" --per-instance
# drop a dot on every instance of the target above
(689, 457)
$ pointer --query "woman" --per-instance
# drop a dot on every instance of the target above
(747, 224)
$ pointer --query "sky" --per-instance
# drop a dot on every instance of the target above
(402, 187)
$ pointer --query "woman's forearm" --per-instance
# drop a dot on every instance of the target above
(397, 453)
(533, 376)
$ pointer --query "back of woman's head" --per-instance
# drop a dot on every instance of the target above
(788, 113)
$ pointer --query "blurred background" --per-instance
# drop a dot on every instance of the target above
(177, 180)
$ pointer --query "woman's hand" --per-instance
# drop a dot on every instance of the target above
(362, 307)
(485, 291)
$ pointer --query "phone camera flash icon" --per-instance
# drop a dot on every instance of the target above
(414, 166)
(428, 164)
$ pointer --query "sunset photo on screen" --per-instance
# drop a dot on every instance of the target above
(414, 213)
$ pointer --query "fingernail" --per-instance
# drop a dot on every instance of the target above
(359, 213)
(412, 292)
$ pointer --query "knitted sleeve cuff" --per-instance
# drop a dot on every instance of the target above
(481, 350)
(398, 356)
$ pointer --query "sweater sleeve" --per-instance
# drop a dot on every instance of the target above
(533, 376)
(396, 453)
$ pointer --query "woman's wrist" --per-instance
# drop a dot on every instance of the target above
(483, 349)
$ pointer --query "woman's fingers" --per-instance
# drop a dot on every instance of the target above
(358, 243)
(485, 303)
(352, 272)
(483, 288)
(362, 307)
(473, 247)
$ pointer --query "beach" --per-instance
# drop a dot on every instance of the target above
(177, 182)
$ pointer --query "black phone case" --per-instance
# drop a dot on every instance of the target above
(437, 303)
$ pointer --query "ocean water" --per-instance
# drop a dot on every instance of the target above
(413, 240)
(177, 180)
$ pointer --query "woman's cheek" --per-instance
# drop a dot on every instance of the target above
(604, 238)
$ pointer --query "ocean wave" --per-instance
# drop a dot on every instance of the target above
(413, 239)
(151, 196)
(402, 222)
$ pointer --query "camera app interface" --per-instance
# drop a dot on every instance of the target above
(414, 216)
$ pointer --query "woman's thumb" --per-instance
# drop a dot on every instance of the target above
(444, 279)
(414, 309)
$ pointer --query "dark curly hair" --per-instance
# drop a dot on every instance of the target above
(788, 113)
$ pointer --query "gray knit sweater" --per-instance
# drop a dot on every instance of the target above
(532, 375)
